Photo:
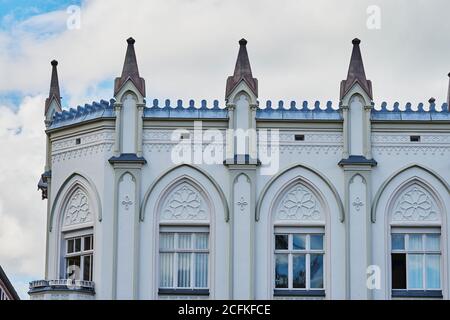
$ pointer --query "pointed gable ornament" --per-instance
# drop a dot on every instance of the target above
(54, 93)
(356, 73)
(242, 72)
(130, 71)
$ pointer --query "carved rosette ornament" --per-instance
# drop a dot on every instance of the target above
(415, 204)
(78, 211)
(299, 203)
(184, 203)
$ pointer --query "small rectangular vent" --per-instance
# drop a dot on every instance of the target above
(185, 136)
(299, 137)
(78, 141)
(414, 138)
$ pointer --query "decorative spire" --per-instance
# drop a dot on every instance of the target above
(54, 93)
(356, 73)
(242, 72)
(130, 71)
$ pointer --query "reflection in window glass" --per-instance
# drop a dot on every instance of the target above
(398, 241)
(281, 271)
(299, 271)
(316, 268)
(316, 242)
(299, 241)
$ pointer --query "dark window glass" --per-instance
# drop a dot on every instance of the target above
(77, 244)
(398, 271)
(281, 271)
(281, 242)
(70, 246)
(87, 268)
(299, 271)
(316, 271)
(88, 243)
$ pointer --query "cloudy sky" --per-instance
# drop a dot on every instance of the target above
(299, 50)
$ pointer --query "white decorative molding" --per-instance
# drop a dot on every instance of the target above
(184, 203)
(86, 139)
(358, 204)
(405, 138)
(242, 203)
(127, 202)
(82, 152)
(415, 204)
(77, 210)
(299, 203)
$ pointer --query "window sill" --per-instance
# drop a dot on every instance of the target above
(417, 294)
(299, 293)
(184, 292)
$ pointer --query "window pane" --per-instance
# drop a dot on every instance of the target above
(70, 246)
(316, 271)
(88, 243)
(398, 271)
(73, 268)
(184, 240)
(316, 242)
(166, 270)
(201, 241)
(201, 270)
(415, 271)
(166, 241)
(281, 241)
(415, 242)
(281, 271)
(433, 242)
(184, 269)
(77, 244)
(87, 268)
(299, 242)
(398, 242)
(299, 271)
(433, 271)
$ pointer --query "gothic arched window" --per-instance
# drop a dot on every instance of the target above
(416, 244)
(184, 241)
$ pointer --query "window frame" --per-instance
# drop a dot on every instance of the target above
(307, 231)
(78, 234)
(176, 231)
(407, 231)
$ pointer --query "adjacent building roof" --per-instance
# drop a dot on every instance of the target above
(8, 286)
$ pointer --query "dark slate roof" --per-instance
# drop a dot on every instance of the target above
(189, 111)
(130, 71)
(356, 73)
(408, 114)
(54, 92)
(8, 284)
(358, 160)
(102, 109)
(295, 112)
(242, 72)
(279, 112)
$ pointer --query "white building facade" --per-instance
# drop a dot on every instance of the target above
(349, 201)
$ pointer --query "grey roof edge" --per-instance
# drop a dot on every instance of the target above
(8, 284)
(127, 158)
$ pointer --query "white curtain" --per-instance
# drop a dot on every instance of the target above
(166, 270)
(433, 271)
(184, 270)
(415, 271)
(201, 270)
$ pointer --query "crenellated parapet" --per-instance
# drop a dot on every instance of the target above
(181, 109)
(294, 111)
(81, 114)
(407, 113)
